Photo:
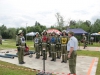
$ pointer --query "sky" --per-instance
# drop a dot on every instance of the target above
(18, 13)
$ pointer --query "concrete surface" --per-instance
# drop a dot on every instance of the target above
(85, 65)
(90, 48)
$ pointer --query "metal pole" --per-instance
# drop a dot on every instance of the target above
(88, 38)
(95, 39)
(44, 60)
(79, 44)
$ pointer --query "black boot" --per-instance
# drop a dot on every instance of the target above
(65, 61)
(62, 61)
(52, 60)
(49, 55)
(22, 62)
(41, 55)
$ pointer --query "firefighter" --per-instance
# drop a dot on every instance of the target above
(41, 52)
(64, 41)
(84, 41)
(58, 46)
(20, 43)
(49, 45)
(37, 42)
(44, 44)
(53, 46)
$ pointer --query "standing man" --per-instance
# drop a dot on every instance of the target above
(64, 41)
(72, 47)
(84, 41)
(20, 43)
(37, 42)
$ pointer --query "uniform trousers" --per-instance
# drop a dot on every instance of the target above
(72, 62)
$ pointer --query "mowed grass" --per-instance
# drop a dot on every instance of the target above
(93, 54)
(11, 44)
(17, 70)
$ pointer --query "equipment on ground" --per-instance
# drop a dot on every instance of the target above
(28, 53)
(12, 57)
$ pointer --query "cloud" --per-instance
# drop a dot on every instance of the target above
(16, 13)
(95, 17)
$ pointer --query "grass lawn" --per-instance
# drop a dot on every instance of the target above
(14, 71)
(11, 44)
(7, 44)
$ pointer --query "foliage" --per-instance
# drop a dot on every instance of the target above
(60, 21)
(10, 33)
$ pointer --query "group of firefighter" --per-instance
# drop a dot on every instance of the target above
(54, 44)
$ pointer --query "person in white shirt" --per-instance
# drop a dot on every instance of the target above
(72, 47)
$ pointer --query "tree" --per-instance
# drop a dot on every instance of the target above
(72, 24)
(3, 31)
(11, 33)
(96, 26)
(38, 27)
(60, 21)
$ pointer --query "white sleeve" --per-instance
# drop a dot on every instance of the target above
(71, 43)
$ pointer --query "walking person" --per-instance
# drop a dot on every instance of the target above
(72, 47)
(84, 41)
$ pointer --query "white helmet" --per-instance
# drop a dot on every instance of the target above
(44, 31)
(64, 31)
(37, 33)
(20, 31)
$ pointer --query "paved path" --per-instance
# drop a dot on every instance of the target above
(90, 48)
(85, 65)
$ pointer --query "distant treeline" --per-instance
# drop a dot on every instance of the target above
(10, 33)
